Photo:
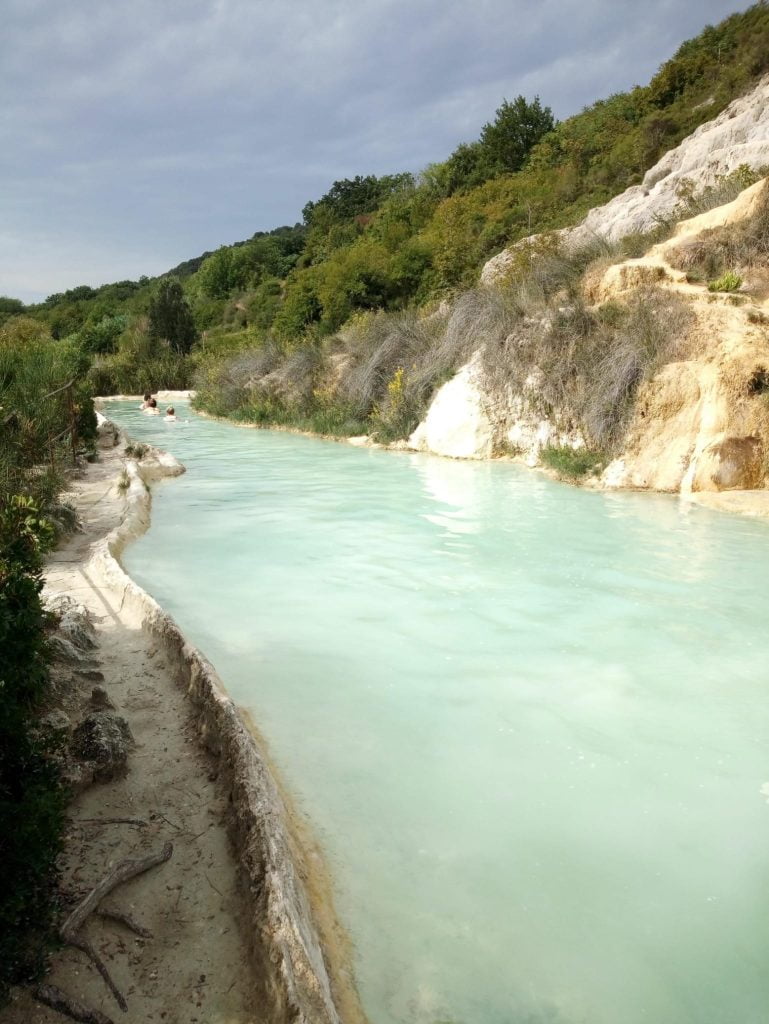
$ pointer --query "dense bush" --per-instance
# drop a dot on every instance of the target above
(31, 794)
(572, 463)
(140, 363)
(34, 428)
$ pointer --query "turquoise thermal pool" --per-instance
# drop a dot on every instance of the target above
(528, 724)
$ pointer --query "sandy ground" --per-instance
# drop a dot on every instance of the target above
(195, 968)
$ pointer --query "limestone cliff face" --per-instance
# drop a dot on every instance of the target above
(700, 426)
(739, 135)
(464, 421)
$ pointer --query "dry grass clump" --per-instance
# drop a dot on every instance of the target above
(227, 384)
(581, 367)
(293, 379)
(377, 346)
(395, 362)
(712, 253)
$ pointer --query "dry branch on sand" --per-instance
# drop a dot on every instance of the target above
(121, 872)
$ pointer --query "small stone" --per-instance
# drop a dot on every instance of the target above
(56, 720)
(93, 675)
(77, 627)
(100, 699)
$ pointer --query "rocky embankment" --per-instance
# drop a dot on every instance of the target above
(701, 425)
(156, 753)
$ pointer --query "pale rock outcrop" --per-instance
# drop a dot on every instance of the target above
(527, 430)
(700, 426)
(624, 277)
(736, 463)
(107, 434)
(457, 424)
(157, 464)
(702, 423)
(464, 421)
(499, 266)
(73, 621)
(103, 741)
(528, 433)
(739, 135)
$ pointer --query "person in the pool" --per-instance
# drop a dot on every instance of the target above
(152, 408)
(146, 402)
(170, 413)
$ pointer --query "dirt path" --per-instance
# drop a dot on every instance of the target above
(196, 967)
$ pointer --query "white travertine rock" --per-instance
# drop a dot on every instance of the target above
(457, 424)
(529, 433)
(498, 266)
(739, 135)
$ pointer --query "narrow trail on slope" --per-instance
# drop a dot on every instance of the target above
(195, 967)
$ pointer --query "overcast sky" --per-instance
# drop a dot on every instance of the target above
(134, 135)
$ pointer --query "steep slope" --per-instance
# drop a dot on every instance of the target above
(738, 137)
(700, 424)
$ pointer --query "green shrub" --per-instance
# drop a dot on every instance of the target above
(141, 363)
(31, 794)
(728, 282)
(35, 410)
(572, 463)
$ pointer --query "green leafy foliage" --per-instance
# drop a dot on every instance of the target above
(33, 410)
(140, 363)
(517, 128)
(572, 463)
(728, 282)
(170, 317)
(31, 794)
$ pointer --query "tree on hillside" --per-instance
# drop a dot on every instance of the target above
(170, 317)
(9, 307)
(354, 196)
(516, 129)
(222, 272)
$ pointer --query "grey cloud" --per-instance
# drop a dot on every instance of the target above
(135, 135)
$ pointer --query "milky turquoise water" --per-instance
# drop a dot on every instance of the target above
(529, 724)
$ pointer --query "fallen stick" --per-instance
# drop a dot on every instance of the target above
(110, 821)
(122, 872)
(51, 996)
(115, 914)
(84, 946)
(212, 885)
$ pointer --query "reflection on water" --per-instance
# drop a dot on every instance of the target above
(527, 722)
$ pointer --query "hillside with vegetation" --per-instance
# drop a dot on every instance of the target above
(348, 323)
(396, 245)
